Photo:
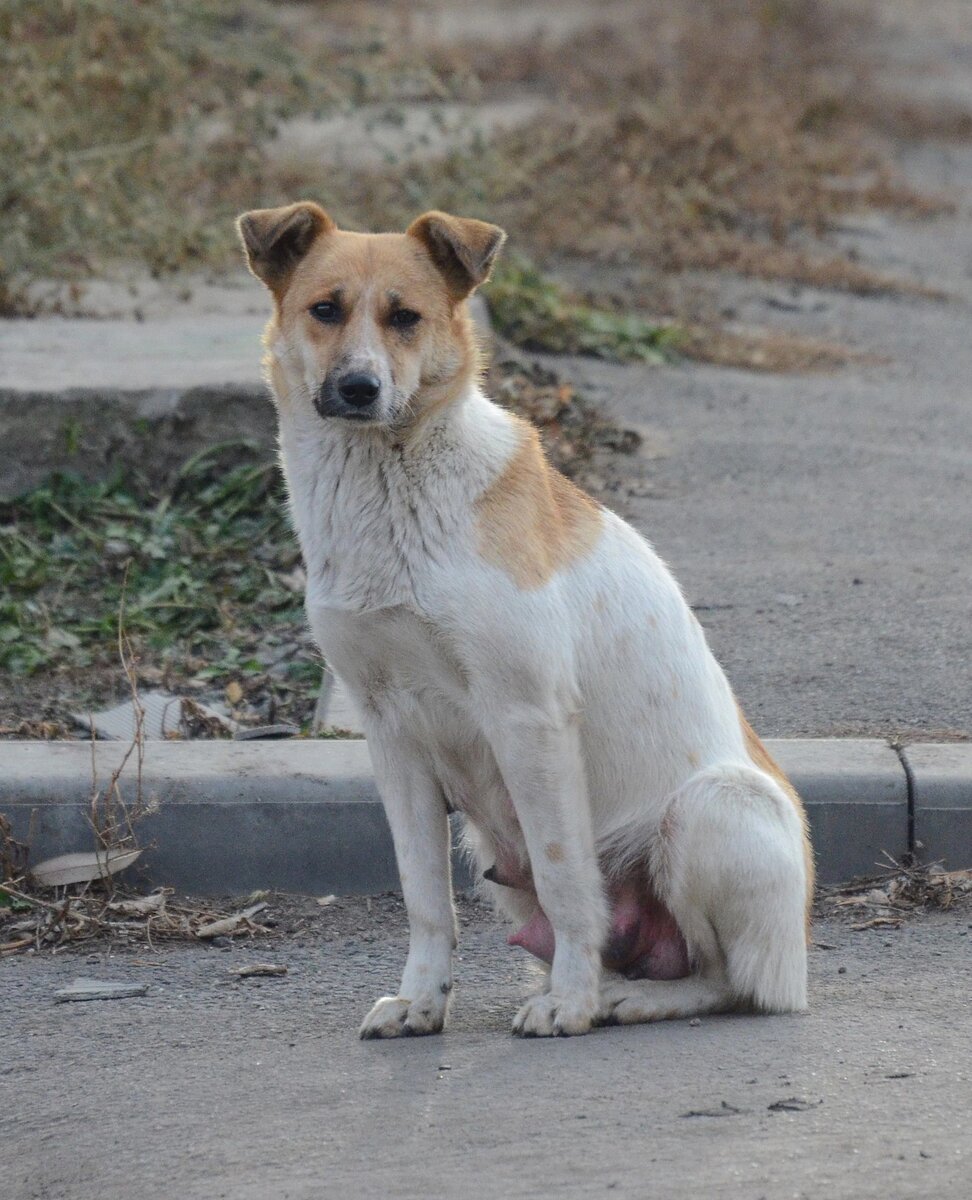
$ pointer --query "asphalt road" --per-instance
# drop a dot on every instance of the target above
(210, 1088)
(822, 523)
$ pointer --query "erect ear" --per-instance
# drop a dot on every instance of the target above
(276, 239)
(463, 249)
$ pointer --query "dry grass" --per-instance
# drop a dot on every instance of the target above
(135, 130)
(714, 133)
(717, 135)
(899, 889)
(759, 351)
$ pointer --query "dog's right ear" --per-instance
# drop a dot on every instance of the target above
(276, 239)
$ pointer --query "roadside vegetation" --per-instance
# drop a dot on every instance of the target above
(536, 313)
(712, 134)
(666, 142)
(206, 570)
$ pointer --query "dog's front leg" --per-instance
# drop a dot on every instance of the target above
(419, 823)
(539, 755)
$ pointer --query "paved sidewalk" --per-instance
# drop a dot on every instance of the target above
(208, 1088)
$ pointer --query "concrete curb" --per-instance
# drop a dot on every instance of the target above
(305, 816)
(940, 778)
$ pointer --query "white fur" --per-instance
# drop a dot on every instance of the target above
(587, 713)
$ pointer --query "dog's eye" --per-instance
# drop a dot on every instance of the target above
(327, 312)
(404, 318)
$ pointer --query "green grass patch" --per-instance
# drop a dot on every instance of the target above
(534, 312)
(205, 569)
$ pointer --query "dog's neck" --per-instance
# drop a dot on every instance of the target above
(374, 507)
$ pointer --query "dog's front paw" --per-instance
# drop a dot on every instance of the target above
(394, 1016)
(553, 1015)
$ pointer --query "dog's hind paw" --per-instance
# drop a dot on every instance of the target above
(552, 1015)
(393, 1016)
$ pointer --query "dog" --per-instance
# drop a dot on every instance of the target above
(519, 655)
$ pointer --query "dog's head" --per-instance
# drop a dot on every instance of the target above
(373, 325)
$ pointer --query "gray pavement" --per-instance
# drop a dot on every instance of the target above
(822, 524)
(210, 1088)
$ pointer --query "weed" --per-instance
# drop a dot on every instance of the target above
(216, 545)
(534, 312)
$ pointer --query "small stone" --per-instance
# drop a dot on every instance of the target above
(694, 1023)
(99, 989)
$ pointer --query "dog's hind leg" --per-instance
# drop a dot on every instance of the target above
(638, 1001)
(729, 863)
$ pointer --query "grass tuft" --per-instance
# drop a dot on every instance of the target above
(534, 312)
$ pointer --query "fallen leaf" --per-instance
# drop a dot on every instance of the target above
(83, 867)
(19, 944)
(724, 1110)
(234, 692)
(793, 1104)
(229, 925)
(142, 906)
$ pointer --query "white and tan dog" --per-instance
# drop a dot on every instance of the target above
(519, 654)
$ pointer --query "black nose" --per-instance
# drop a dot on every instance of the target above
(359, 389)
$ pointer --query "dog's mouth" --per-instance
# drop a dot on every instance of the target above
(329, 403)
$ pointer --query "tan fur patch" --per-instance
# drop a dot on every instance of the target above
(554, 852)
(765, 762)
(532, 522)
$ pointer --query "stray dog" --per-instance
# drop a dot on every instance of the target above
(519, 655)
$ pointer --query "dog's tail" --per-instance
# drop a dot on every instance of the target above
(727, 860)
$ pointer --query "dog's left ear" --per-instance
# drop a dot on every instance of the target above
(463, 249)
(276, 239)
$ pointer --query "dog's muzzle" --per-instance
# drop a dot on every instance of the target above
(353, 396)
